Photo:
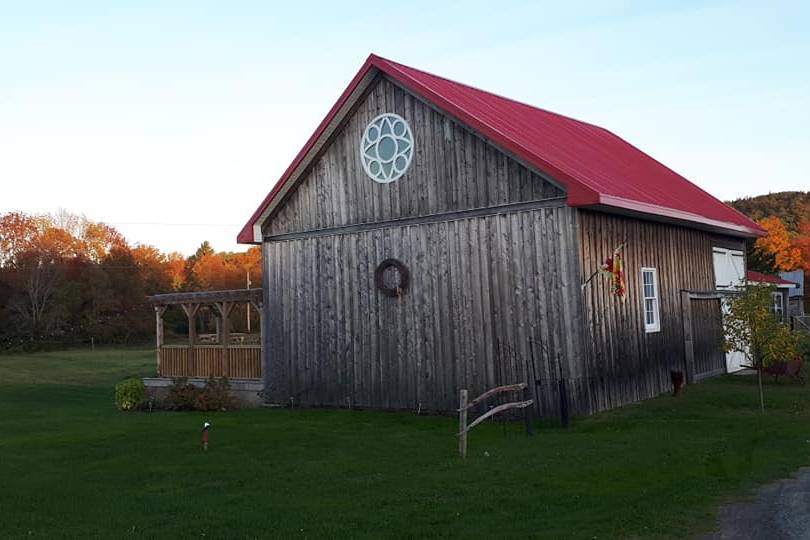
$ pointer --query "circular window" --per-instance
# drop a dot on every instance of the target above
(387, 148)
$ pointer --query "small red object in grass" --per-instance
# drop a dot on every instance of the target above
(206, 427)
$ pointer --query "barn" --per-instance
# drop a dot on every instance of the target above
(431, 236)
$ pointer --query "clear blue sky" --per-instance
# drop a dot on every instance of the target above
(152, 115)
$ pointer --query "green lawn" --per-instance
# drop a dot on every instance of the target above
(72, 466)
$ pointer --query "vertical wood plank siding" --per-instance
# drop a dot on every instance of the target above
(487, 305)
(452, 169)
(624, 363)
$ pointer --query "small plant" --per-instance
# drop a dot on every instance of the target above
(129, 394)
(804, 346)
(182, 395)
(752, 329)
(216, 396)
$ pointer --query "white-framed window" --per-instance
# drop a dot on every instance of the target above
(650, 303)
(386, 149)
(778, 304)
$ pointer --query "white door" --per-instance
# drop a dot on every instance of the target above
(729, 273)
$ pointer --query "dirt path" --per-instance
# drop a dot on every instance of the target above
(780, 511)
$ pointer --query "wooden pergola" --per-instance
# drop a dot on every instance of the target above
(224, 359)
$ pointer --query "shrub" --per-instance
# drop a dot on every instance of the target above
(804, 347)
(182, 395)
(215, 396)
(129, 394)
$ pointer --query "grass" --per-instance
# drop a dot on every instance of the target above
(72, 466)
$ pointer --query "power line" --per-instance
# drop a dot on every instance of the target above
(163, 224)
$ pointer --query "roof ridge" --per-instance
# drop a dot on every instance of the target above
(481, 90)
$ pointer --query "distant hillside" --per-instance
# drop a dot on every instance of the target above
(790, 206)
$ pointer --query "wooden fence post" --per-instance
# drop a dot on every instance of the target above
(688, 340)
(462, 423)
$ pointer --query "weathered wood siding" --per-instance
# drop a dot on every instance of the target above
(707, 333)
(624, 363)
(492, 300)
(453, 169)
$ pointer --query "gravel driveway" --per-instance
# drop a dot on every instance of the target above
(780, 510)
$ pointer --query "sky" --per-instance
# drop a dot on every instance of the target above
(171, 120)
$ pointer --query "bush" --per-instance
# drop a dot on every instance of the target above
(804, 347)
(215, 396)
(129, 394)
(182, 395)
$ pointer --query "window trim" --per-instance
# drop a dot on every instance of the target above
(656, 325)
(780, 304)
(729, 254)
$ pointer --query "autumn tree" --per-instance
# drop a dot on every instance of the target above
(18, 233)
(777, 245)
(99, 239)
(802, 243)
(751, 328)
(64, 279)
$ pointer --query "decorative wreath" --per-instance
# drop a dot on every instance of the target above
(404, 277)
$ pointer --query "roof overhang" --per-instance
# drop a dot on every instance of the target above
(206, 297)
(617, 205)
(772, 284)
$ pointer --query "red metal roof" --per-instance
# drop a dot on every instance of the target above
(759, 277)
(597, 168)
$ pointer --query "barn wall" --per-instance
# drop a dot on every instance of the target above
(624, 364)
(452, 169)
(492, 300)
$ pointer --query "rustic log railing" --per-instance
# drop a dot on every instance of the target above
(464, 406)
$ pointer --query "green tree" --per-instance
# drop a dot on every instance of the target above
(751, 328)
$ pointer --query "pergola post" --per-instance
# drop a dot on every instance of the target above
(159, 311)
(191, 313)
(225, 309)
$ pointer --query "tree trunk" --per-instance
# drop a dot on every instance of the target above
(761, 395)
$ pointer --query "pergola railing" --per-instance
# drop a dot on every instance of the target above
(226, 359)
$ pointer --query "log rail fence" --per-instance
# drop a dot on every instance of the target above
(464, 405)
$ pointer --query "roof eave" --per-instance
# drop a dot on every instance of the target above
(251, 233)
(654, 212)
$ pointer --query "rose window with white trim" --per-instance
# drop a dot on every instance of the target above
(386, 149)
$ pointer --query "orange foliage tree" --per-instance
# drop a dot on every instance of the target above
(64, 278)
(227, 270)
(802, 243)
(778, 245)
